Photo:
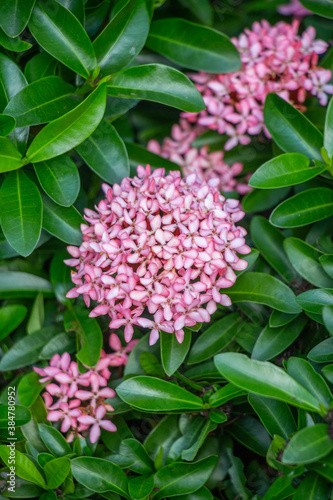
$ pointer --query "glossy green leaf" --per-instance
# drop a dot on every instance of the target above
(17, 284)
(13, 44)
(182, 478)
(158, 83)
(327, 262)
(181, 41)
(135, 451)
(60, 343)
(20, 212)
(7, 125)
(273, 341)
(37, 315)
(141, 487)
(259, 200)
(225, 394)
(328, 131)
(42, 101)
(26, 350)
(290, 129)
(24, 467)
(152, 394)
(203, 10)
(10, 157)
(29, 388)
(69, 130)
(278, 318)
(304, 373)
(105, 153)
(215, 338)
(60, 179)
(284, 170)
(248, 431)
(12, 80)
(56, 472)
(90, 335)
(172, 352)
(305, 260)
(62, 222)
(264, 289)
(15, 15)
(313, 301)
(322, 352)
(54, 440)
(275, 415)
(322, 7)
(10, 318)
(123, 38)
(327, 314)
(60, 275)
(269, 241)
(308, 445)
(265, 379)
(304, 208)
(40, 66)
(60, 33)
(100, 475)
(313, 487)
(327, 371)
(141, 156)
(22, 416)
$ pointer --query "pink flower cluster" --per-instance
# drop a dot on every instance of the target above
(293, 8)
(77, 400)
(161, 244)
(274, 59)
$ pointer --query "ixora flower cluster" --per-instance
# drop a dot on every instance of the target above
(77, 400)
(158, 243)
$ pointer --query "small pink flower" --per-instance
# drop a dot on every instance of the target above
(120, 355)
(96, 422)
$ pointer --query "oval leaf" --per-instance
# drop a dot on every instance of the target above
(24, 467)
(14, 16)
(10, 157)
(172, 352)
(62, 222)
(10, 318)
(22, 416)
(308, 445)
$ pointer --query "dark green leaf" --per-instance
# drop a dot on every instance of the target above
(202, 10)
(12, 80)
(327, 313)
(69, 130)
(13, 44)
(278, 318)
(172, 352)
(134, 450)
(90, 334)
(308, 445)
(62, 222)
(193, 46)
(59, 344)
(290, 129)
(328, 132)
(313, 487)
(264, 379)
(59, 32)
(53, 440)
(105, 153)
(10, 157)
(225, 394)
(304, 208)
(275, 415)
(140, 487)
(29, 388)
(40, 66)
(259, 200)
(314, 300)
(322, 352)
(15, 15)
(322, 7)
(141, 156)
(327, 262)
(20, 212)
(60, 276)
(251, 433)
(152, 394)
(123, 38)
(7, 125)
(56, 472)
(304, 373)
(22, 416)
(10, 318)
(158, 83)
(16, 284)
(24, 467)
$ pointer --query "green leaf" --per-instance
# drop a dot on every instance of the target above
(264, 379)
(54, 440)
(172, 352)
(7, 125)
(259, 200)
(327, 313)
(20, 212)
(313, 487)
(152, 394)
(202, 10)
(327, 262)
(151, 365)
(251, 433)
(273, 341)
(28, 389)
(158, 83)
(305, 260)
(322, 352)
(16, 284)
(12, 80)
(42, 101)
(59, 344)
(328, 131)
(40, 66)
(135, 451)
(105, 153)
(181, 41)
(24, 467)
(10, 157)
(308, 445)
(37, 315)
(313, 301)
(90, 334)
(261, 288)
(56, 472)
(225, 394)
(215, 338)
(322, 7)
(60, 179)
(141, 156)
(13, 44)
(275, 415)
(69, 130)
(290, 129)
(182, 478)
(304, 373)
(123, 38)
(15, 15)
(62, 222)
(60, 33)
(140, 487)
(269, 241)
(25, 351)
(278, 318)
(60, 276)
(22, 416)
(285, 170)
(10, 318)
(100, 475)
(304, 208)
(327, 371)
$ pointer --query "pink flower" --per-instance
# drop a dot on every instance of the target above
(185, 232)
(293, 8)
(96, 422)
(120, 355)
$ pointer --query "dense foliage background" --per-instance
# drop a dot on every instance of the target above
(242, 408)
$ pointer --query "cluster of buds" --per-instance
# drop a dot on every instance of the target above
(77, 400)
(159, 244)
(275, 59)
